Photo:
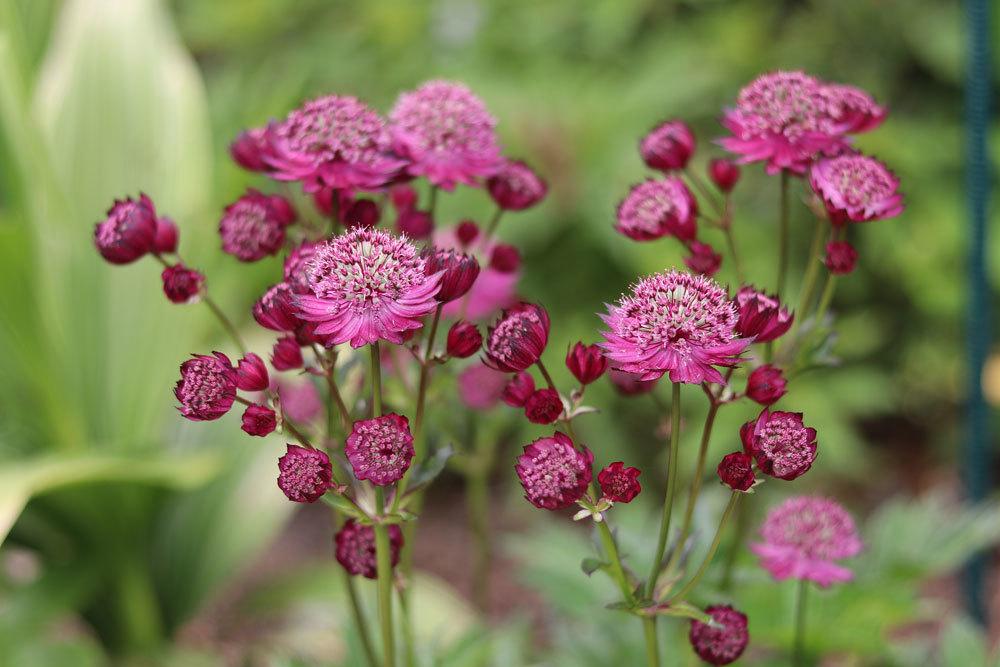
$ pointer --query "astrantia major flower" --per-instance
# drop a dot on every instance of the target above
(253, 227)
(724, 640)
(367, 285)
(516, 186)
(673, 323)
(553, 472)
(207, 387)
(656, 208)
(518, 338)
(355, 548)
(619, 483)
(761, 316)
(783, 446)
(304, 474)
(380, 449)
(296, 266)
(128, 232)
(667, 146)
(856, 188)
(851, 109)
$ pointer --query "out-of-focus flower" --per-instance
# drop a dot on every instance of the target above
(619, 484)
(296, 267)
(586, 362)
(761, 316)
(841, 257)
(553, 472)
(703, 259)
(275, 310)
(355, 548)
(781, 444)
(304, 474)
(166, 237)
(362, 213)
(300, 401)
(856, 188)
(543, 406)
(380, 449)
(247, 150)
(458, 271)
(520, 388)
(207, 387)
(724, 640)
(766, 384)
(128, 232)
(657, 208)
(629, 384)
(736, 471)
(464, 339)
(259, 420)
(415, 223)
(181, 284)
(724, 173)
(516, 187)
(505, 258)
(466, 232)
(851, 109)
(480, 387)
(252, 228)
(403, 196)
(518, 338)
(668, 146)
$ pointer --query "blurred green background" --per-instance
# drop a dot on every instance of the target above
(129, 522)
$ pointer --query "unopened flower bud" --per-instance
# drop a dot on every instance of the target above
(464, 339)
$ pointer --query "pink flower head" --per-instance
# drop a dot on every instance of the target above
(286, 354)
(586, 362)
(856, 188)
(166, 238)
(403, 197)
(851, 109)
(782, 445)
(362, 213)
(654, 209)
(252, 227)
(248, 149)
(207, 387)
(181, 284)
(724, 173)
(446, 133)
(761, 316)
(629, 384)
(676, 323)
(251, 373)
(466, 232)
(518, 338)
(296, 267)
(520, 388)
(703, 259)
(782, 118)
(766, 384)
(259, 420)
(275, 310)
(300, 401)
(736, 471)
(724, 640)
(380, 449)
(367, 285)
(464, 339)
(505, 258)
(803, 538)
(668, 146)
(516, 187)
(355, 548)
(553, 472)
(415, 223)
(304, 474)
(458, 271)
(543, 406)
(841, 257)
(334, 141)
(128, 232)
(618, 483)
(480, 387)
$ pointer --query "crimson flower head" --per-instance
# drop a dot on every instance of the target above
(466, 232)
(841, 257)
(362, 213)
(403, 197)
(851, 109)
(334, 141)
(505, 258)
(516, 187)
(804, 537)
(355, 548)
(629, 384)
(762, 316)
(166, 238)
(668, 146)
(724, 640)
(259, 420)
(543, 406)
(251, 373)
(275, 310)
(304, 474)
(856, 188)
(736, 471)
(380, 449)
(458, 271)
(781, 444)
(766, 384)
(724, 173)
(553, 472)
(520, 388)
(446, 133)
(676, 323)
(286, 354)
(415, 223)
(181, 284)
(703, 259)
(654, 209)
(618, 483)
(518, 338)
(248, 149)
(207, 387)
(464, 339)
(586, 362)
(296, 266)
(252, 227)
(367, 285)
(128, 232)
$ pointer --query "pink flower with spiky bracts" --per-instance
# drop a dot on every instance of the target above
(553, 472)
(335, 141)
(518, 338)
(703, 259)
(840, 258)
(856, 188)
(252, 227)
(516, 186)
(259, 420)
(782, 445)
(480, 387)
(304, 474)
(543, 406)
(724, 640)
(619, 484)
(675, 323)
(248, 149)
(446, 133)
(207, 387)
(367, 285)
(851, 109)
(761, 316)
(586, 362)
(657, 208)
(458, 271)
(804, 537)
(782, 118)
(380, 449)
(355, 548)
(181, 284)
(296, 267)
(668, 146)
(128, 232)
(275, 309)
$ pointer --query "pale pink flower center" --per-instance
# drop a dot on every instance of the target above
(508, 333)
(445, 118)
(648, 205)
(205, 382)
(816, 528)
(333, 127)
(859, 181)
(785, 441)
(783, 103)
(552, 471)
(679, 310)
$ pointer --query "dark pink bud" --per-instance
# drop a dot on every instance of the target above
(286, 354)
(128, 232)
(207, 388)
(586, 362)
(783, 446)
(761, 316)
(458, 272)
(259, 420)
(380, 449)
(703, 259)
(840, 257)
(304, 474)
(631, 384)
(248, 150)
(543, 407)
(181, 284)
(464, 339)
(724, 173)
(166, 236)
(275, 310)
(722, 642)
(553, 472)
(324, 199)
(404, 197)
(355, 548)
(415, 224)
(362, 213)
(516, 187)
(668, 146)
(467, 231)
(251, 373)
(618, 483)
(736, 471)
(518, 338)
(284, 212)
(519, 390)
(505, 258)
(766, 384)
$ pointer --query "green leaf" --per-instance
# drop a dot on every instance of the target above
(679, 609)
(592, 565)
(342, 504)
(963, 644)
(428, 471)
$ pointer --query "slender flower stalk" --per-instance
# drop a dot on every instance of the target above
(826, 297)
(813, 262)
(727, 230)
(668, 501)
(357, 611)
(652, 644)
(690, 585)
(491, 227)
(782, 234)
(338, 400)
(382, 548)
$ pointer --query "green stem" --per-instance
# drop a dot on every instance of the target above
(338, 400)
(826, 298)
(376, 366)
(812, 271)
(477, 498)
(491, 227)
(742, 527)
(432, 204)
(545, 374)
(617, 571)
(226, 324)
(799, 652)
(731, 243)
(703, 190)
(652, 646)
(783, 234)
(668, 500)
(384, 570)
(357, 611)
(733, 500)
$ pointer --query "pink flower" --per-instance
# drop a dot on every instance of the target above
(403, 196)
(703, 259)
(458, 271)
(128, 232)
(181, 284)
(553, 472)
(629, 384)
(296, 267)
(841, 257)
(516, 341)
(367, 285)
(668, 146)
(304, 474)
(355, 548)
(335, 142)
(252, 227)
(248, 149)
(804, 537)
(618, 483)
(415, 223)
(782, 445)
(520, 388)
(464, 340)
(724, 640)
(851, 109)
(480, 387)
(762, 316)
(856, 188)
(286, 354)
(466, 232)
(362, 213)
(275, 310)
(736, 471)
(259, 420)
(674, 323)
(165, 241)
(380, 449)
(654, 209)
(516, 187)
(505, 258)
(446, 133)
(207, 387)
(251, 373)
(543, 406)
(586, 362)
(300, 401)
(724, 173)
(766, 384)
(782, 118)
